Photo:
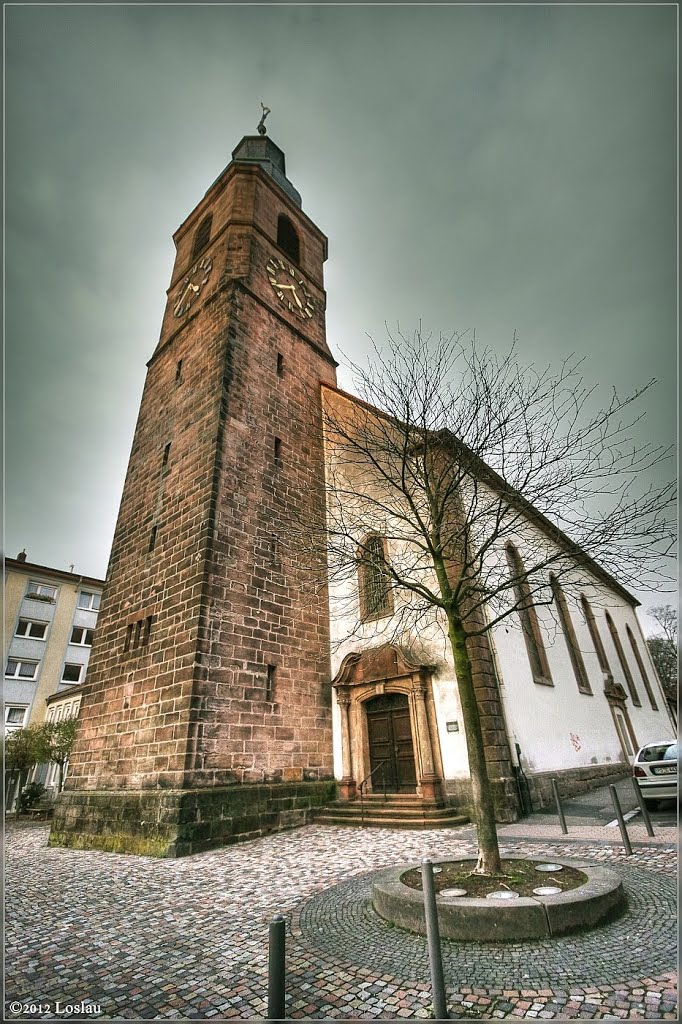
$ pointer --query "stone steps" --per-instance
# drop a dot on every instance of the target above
(399, 811)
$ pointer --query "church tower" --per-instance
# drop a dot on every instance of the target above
(207, 709)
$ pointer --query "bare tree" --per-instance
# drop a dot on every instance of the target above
(663, 649)
(452, 454)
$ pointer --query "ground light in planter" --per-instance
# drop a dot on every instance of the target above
(452, 892)
(587, 895)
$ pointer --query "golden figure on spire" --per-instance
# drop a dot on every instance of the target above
(261, 123)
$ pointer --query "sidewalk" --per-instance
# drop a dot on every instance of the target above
(591, 818)
(135, 938)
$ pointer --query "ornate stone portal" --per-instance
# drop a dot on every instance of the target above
(617, 697)
(390, 742)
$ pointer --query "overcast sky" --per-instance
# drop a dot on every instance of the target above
(498, 167)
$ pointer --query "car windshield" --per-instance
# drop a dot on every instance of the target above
(660, 752)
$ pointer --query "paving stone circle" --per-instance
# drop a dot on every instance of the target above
(342, 921)
(187, 939)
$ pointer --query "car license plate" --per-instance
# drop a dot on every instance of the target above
(668, 770)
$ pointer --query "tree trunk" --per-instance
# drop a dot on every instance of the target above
(484, 808)
(60, 776)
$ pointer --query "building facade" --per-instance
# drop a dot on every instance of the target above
(565, 690)
(213, 710)
(50, 620)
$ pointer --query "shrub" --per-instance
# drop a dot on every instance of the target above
(29, 797)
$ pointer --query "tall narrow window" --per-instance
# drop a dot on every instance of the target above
(147, 630)
(571, 639)
(166, 456)
(202, 236)
(278, 451)
(594, 633)
(642, 670)
(178, 371)
(374, 579)
(129, 637)
(529, 619)
(287, 238)
(623, 663)
(152, 538)
(280, 364)
(270, 682)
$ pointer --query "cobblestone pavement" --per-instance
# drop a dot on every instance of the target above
(139, 939)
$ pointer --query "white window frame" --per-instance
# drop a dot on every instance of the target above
(90, 606)
(31, 622)
(35, 587)
(81, 643)
(72, 664)
(19, 662)
(11, 726)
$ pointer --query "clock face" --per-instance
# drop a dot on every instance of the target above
(192, 285)
(289, 288)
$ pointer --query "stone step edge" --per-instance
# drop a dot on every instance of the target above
(351, 811)
(415, 823)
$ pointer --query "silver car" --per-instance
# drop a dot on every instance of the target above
(655, 769)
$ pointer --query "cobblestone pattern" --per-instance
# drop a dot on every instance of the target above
(150, 939)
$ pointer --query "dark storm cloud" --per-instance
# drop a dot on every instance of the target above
(503, 168)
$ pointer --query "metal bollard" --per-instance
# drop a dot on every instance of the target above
(642, 807)
(621, 821)
(276, 975)
(562, 820)
(440, 1009)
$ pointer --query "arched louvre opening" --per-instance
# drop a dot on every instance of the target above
(287, 238)
(202, 236)
(529, 619)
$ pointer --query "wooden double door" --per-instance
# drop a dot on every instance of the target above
(390, 741)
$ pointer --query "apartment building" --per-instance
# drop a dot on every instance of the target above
(49, 624)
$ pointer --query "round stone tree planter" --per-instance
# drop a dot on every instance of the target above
(602, 897)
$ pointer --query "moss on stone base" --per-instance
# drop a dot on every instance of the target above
(176, 823)
(117, 842)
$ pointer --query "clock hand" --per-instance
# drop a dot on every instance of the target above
(291, 287)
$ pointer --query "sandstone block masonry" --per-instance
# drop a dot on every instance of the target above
(210, 668)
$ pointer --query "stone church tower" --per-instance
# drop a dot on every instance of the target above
(207, 711)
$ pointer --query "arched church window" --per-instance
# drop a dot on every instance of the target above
(287, 237)
(202, 236)
(529, 619)
(596, 639)
(374, 578)
(623, 663)
(642, 670)
(571, 639)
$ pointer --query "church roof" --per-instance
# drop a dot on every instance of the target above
(550, 529)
